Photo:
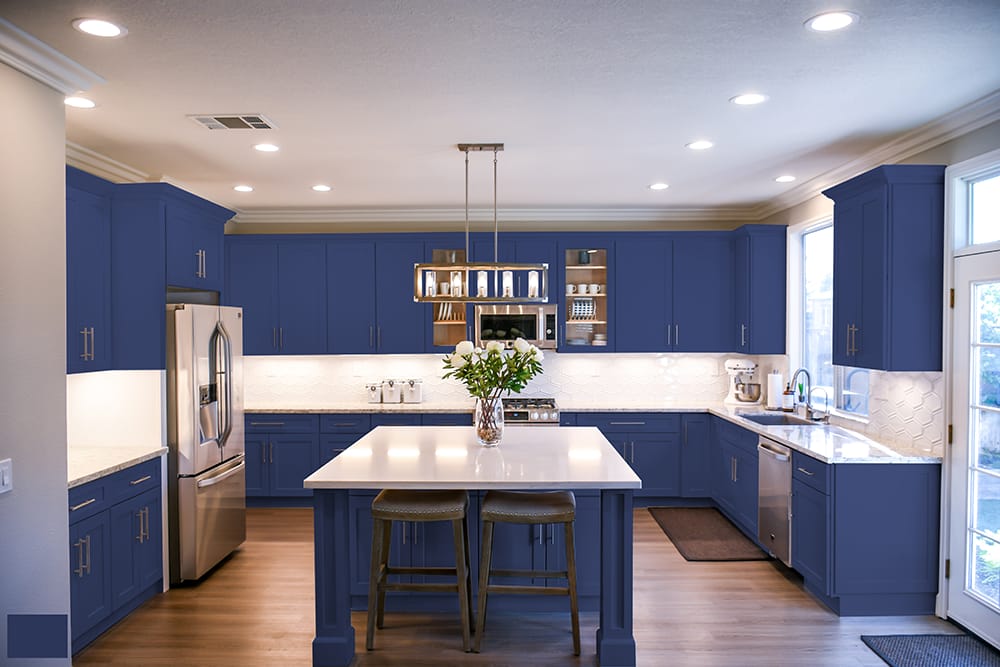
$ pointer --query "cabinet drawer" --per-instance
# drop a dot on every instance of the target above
(812, 472)
(281, 423)
(736, 435)
(411, 419)
(345, 423)
(630, 421)
(447, 419)
(132, 481)
(88, 499)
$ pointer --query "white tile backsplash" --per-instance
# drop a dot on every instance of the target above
(114, 408)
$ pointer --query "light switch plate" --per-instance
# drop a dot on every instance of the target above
(6, 476)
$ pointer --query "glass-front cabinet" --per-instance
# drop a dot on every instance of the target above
(585, 310)
(450, 324)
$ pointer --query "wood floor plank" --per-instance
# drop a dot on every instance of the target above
(256, 610)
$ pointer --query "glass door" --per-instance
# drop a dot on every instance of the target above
(586, 308)
(974, 584)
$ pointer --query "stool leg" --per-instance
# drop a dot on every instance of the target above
(384, 564)
(462, 578)
(468, 572)
(574, 609)
(378, 528)
(484, 577)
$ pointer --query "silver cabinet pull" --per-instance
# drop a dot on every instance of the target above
(84, 563)
(627, 423)
(92, 346)
(677, 334)
(668, 334)
(271, 456)
(78, 570)
(743, 335)
(402, 529)
(379, 336)
(274, 337)
(82, 505)
(140, 480)
(84, 355)
(281, 338)
(138, 538)
(371, 336)
(806, 472)
(267, 423)
(552, 534)
(540, 528)
(732, 469)
(145, 511)
(263, 454)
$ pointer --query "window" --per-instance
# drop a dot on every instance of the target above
(984, 200)
(841, 387)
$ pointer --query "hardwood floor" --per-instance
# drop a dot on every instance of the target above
(256, 610)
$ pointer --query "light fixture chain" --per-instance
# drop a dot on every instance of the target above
(467, 256)
(495, 224)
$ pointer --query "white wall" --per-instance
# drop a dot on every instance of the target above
(34, 537)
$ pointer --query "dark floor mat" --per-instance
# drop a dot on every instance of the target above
(933, 650)
(702, 533)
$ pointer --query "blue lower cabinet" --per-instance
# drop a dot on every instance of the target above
(695, 435)
(256, 450)
(281, 451)
(115, 552)
(811, 535)
(399, 419)
(733, 463)
(447, 419)
(291, 459)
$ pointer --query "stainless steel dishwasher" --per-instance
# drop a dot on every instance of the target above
(774, 499)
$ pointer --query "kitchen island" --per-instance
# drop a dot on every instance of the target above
(448, 457)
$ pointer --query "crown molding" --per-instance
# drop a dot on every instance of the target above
(101, 165)
(971, 117)
(505, 215)
(41, 62)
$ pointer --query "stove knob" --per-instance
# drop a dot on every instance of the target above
(545, 416)
(534, 416)
(554, 415)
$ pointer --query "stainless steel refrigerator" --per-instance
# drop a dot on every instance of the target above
(206, 469)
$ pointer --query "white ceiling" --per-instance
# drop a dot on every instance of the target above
(594, 99)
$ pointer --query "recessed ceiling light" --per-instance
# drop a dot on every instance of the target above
(266, 148)
(243, 188)
(747, 99)
(321, 188)
(658, 186)
(700, 145)
(786, 178)
(831, 21)
(79, 102)
(99, 28)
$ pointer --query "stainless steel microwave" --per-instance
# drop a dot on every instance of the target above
(534, 323)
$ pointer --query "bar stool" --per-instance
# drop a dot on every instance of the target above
(528, 508)
(404, 505)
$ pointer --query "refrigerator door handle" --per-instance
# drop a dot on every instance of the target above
(212, 481)
(222, 376)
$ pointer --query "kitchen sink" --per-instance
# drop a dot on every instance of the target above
(780, 419)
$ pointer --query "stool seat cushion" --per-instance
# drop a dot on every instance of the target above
(409, 505)
(529, 506)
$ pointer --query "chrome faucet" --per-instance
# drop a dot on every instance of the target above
(809, 412)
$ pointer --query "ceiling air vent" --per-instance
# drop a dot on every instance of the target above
(251, 121)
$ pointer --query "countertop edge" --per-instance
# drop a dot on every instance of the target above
(133, 459)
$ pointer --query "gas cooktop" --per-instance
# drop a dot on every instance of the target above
(538, 410)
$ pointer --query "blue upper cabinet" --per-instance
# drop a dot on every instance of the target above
(643, 294)
(281, 286)
(88, 272)
(194, 248)
(586, 319)
(888, 237)
(371, 308)
(760, 285)
(702, 293)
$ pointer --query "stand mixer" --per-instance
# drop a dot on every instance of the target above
(741, 390)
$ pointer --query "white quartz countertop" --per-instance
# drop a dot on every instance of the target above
(449, 457)
(87, 463)
(361, 407)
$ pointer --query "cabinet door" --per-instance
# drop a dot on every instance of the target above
(149, 560)
(292, 458)
(330, 446)
(302, 301)
(252, 271)
(745, 489)
(643, 297)
(766, 282)
(587, 543)
(695, 457)
(656, 459)
(136, 556)
(256, 465)
(870, 337)
(810, 534)
(90, 595)
(518, 546)
(351, 316)
(528, 249)
(401, 322)
(702, 294)
(88, 282)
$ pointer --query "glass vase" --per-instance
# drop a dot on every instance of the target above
(488, 420)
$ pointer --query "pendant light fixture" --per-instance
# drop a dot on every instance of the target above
(470, 282)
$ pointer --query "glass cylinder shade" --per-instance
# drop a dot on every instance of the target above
(482, 284)
(532, 284)
(456, 284)
(430, 283)
(508, 283)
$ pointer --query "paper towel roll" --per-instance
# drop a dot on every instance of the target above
(775, 387)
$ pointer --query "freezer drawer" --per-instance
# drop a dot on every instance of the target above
(212, 517)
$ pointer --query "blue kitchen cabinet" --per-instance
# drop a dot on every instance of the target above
(145, 219)
(650, 443)
(136, 546)
(521, 248)
(371, 306)
(88, 272)
(340, 431)
(865, 536)
(281, 286)
(447, 419)
(587, 545)
(695, 472)
(116, 554)
(734, 473)
(586, 321)
(397, 419)
(281, 451)
(759, 286)
(643, 294)
(888, 244)
(90, 573)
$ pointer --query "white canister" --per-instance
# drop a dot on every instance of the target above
(391, 391)
(374, 391)
(413, 391)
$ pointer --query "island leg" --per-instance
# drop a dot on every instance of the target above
(334, 643)
(615, 642)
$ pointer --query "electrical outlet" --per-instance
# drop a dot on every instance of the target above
(6, 476)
